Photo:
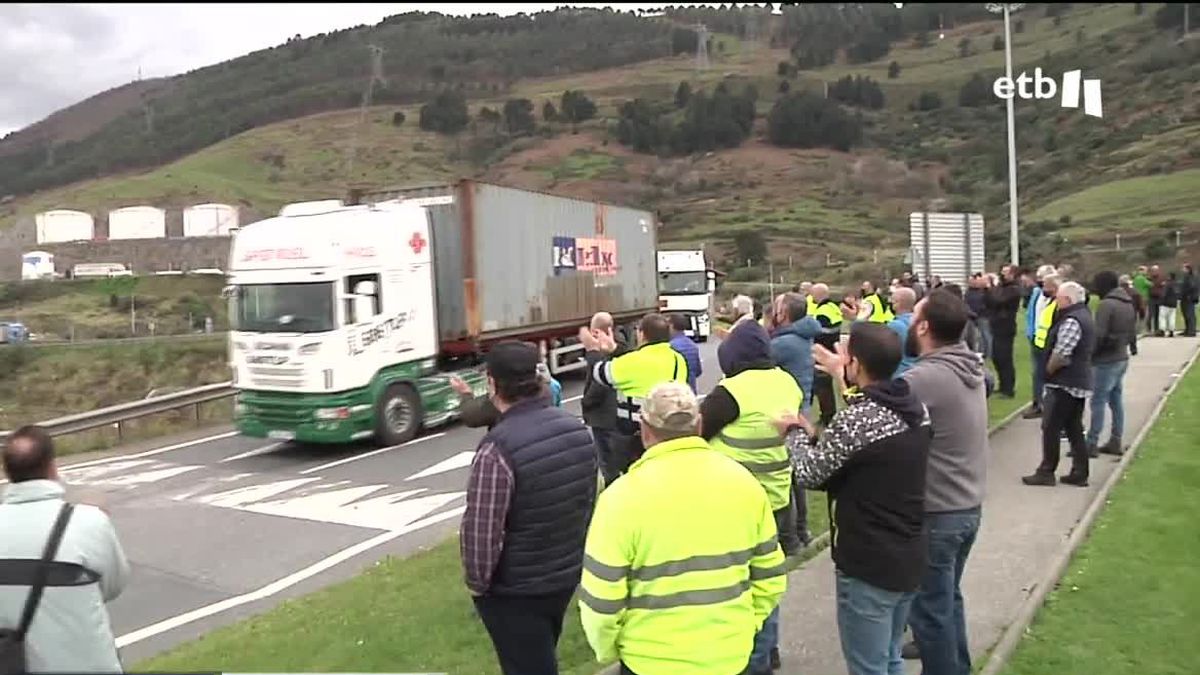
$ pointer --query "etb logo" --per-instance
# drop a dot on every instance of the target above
(1046, 87)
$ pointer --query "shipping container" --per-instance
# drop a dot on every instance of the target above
(137, 222)
(512, 262)
(209, 220)
(37, 265)
(948, 245)
(63, 225)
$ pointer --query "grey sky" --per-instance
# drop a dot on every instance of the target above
(54, 55)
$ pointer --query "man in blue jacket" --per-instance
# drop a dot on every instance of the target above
(683, 344)
(791, 345)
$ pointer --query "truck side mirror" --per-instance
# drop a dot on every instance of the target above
(365, 288)
(364, 308)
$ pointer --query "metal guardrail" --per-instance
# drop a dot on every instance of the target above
(124, 412)
(103, 342)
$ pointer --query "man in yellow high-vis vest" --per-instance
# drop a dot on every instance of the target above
(880, 311)
(1045, 318)
(681, 565)
(738, 422)
(633, 375)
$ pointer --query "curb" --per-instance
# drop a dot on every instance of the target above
(1009, 640)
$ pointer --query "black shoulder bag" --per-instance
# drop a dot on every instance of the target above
(12, 642)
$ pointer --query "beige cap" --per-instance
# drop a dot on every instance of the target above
(671, 406)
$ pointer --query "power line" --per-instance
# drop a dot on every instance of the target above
(376, 77)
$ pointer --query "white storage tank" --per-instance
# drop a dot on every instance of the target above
(63, 225)
(209, 220)
(137, 222)
(37, 265)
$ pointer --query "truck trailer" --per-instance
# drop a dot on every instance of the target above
(348, 319)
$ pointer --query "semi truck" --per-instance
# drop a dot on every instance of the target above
(686, 285)
(349, 319)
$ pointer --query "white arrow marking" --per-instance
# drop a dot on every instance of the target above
(255, 452)
(240, 497)
(451, 463)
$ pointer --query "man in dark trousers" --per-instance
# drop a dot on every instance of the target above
(529, 498)
(1003, 303)
(1189, 295)
(599, 403)
(1069, 383)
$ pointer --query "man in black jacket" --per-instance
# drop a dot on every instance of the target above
(1189, 295)
(872, 463)
(1116, 328)
(1003, 303)
(1069, 383)
(599, 403)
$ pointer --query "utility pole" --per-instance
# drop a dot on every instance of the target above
(376, 76)
(701, 46)
(1013, 226)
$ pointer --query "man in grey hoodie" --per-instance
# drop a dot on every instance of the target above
(948, 378)
(1116, 329)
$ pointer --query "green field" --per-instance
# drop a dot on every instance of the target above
(1131, 596)
(1132, 203)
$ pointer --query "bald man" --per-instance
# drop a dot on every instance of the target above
(599, 404)
(904, 299)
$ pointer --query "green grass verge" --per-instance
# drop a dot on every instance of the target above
(1129, 599)
(1133, 202)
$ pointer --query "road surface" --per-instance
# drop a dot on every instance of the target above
(221, 527)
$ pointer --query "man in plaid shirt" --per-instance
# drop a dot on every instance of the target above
(530, 495)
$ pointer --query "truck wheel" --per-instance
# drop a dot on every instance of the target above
(398, 415)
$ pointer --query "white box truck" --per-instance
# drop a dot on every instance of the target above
(686, 285)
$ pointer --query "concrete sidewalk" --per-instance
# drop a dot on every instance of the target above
(1023, 528)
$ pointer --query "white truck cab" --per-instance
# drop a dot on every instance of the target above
(686, 285)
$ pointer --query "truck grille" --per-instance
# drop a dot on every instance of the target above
(285, 414)
(276, 377)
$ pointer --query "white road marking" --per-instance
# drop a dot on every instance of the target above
(572, 399)
(281, 584)
(242, 496)
(451, 463)
(365, 455)
(148, 453)
(255, 452)
(116, 473)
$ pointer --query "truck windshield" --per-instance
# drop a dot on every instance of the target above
(682, 283)
(284, 308)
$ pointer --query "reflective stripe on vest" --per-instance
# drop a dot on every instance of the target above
(830, 311)
(636, 373)
(752, 439)
(1045, 320)
(880, 313)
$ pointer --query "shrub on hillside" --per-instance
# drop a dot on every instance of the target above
(893, 70)
(398, 118)
(445, 114)
(803, 120)
(928, 100)
(977, 92)
(858, 91)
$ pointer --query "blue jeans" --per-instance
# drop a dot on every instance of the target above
(985, 336)
(1109, 391)
(871, 626)
(938, 620)
(765, 640)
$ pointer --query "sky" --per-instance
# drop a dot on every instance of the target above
(54, 55)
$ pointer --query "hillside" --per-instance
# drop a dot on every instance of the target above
(839, 215)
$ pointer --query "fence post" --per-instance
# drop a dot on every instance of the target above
(197, 414)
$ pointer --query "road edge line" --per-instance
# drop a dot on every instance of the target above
(1004, 648)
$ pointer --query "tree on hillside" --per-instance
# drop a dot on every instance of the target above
(518, 117)
(549, 112)
(784, 86)
(684, 40)
(871, 47)
(750, 246)
(964, 47)
(1170, 16)
(492, 117)
(977, 92)
(803, 120)
(921, 41)
(893, 70)
(928, 100)
(785, 69)
(1019, 26)
(858, 91)
(577, 107)
(683, 94)
(998, 43)
(445, 114)
(398, 118)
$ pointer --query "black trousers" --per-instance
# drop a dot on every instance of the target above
(525, 629)
(823, 392)
(1189, 318)
(1002, 357)
(1063, 412)
(610, 466)
(1152, 319)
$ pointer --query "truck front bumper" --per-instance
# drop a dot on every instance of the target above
(308, 418)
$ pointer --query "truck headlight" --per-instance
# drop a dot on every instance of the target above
(342, 413)
(309, 349)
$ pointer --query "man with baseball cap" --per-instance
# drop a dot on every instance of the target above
(682, 563)
(530, 493)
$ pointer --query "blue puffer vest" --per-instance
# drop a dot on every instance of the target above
(553, 460)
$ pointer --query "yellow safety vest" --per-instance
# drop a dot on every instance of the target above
(880, 312)
(634, 374)
(752, 440)
(676, 582)
(1045, 319)
(812, 305)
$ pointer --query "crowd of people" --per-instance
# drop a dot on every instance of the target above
(676, 517)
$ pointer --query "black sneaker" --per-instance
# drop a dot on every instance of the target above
(1112, 447)
(1093, 450)
(1032, 414)
(1040, 478)
(776, 664)
(909, 651)
(1078, 480)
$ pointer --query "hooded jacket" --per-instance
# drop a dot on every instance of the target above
(950, 382)
(1116, 327)
(747, 347)
(872, 463)
(791, 349)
